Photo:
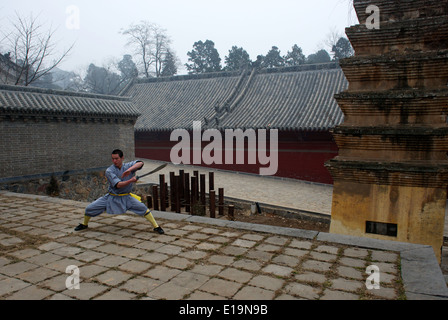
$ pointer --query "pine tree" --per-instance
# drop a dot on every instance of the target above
(169, 67)
(273, 59)
(238, 59)
(203, 58)
(295, 57)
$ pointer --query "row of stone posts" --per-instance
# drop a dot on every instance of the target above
(188, 194)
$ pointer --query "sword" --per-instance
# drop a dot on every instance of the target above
(153, 171)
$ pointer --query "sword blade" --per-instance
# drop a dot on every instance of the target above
(153, 171)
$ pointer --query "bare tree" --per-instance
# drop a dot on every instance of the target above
(151, 44)
(332, 38)
(32, 50)
(161, 48)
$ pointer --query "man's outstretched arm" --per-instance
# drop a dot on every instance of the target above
(132, 169)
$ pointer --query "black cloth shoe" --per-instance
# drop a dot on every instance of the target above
(159, 230)
(80, 227)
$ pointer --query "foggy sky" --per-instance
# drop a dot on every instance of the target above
(255, 25)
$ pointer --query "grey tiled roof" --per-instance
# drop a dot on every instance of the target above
(298, 98)
(168, 105)
(16, 100)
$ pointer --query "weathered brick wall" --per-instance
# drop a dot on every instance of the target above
(30, 147)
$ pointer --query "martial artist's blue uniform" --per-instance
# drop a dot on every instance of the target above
(117, 201)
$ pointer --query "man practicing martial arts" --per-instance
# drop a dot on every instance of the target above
(121, 177)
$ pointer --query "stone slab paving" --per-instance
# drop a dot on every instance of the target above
(120, 258)
(288, 195)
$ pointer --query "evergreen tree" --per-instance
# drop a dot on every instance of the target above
(169, 67)
(342, 49)
(237, 59)
(102, 81)
(295, 57)
(203, 58)
(127, 68)
(273, 59)
(320, 56)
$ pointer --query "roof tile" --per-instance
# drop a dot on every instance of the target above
(29, 100)
(299, 98)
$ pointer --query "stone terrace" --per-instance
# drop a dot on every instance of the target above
(119, 257)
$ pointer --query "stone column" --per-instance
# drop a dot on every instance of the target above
(391, 174)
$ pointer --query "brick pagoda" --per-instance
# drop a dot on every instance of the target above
(391, 174)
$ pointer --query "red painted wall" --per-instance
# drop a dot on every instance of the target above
(301, 155)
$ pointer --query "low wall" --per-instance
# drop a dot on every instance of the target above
(46, 131)
(85, 185)
(89, 185)
(38, 147)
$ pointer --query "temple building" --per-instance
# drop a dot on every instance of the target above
(297, 101)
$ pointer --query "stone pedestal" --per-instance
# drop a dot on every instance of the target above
(391, 174)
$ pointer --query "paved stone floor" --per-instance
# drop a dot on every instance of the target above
(313, 198)
(120, 258)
